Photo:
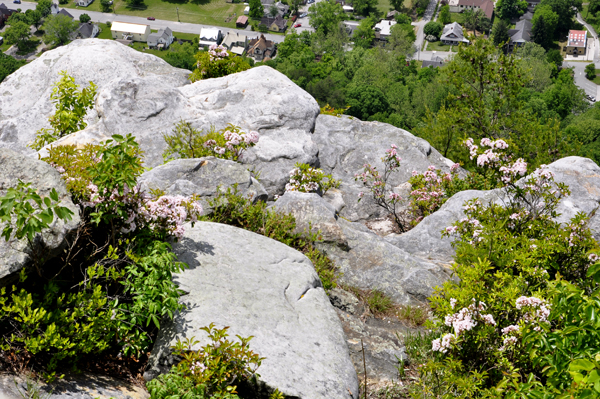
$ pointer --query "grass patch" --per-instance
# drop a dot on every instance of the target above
(457, 17)
(414, 315)
(104, 32)
(596, 80)
(208, 12)
(591, 19)
(143, 48)
(438, 46)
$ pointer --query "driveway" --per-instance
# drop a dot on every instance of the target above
(420, 25)
(182, 27)
(594, 46)
(590, 88)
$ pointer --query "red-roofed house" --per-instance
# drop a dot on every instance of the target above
(577, 42)
(242, 22)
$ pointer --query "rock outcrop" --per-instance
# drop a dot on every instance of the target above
(16, 254)
(203, 177)
(260, 287)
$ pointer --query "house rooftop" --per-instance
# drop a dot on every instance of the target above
(209, 34)
(128, 27)
(435, 62)
(384, 27)
(522, 31)
(242, 20)
(453, 32)
(486, 6)
(86, 30)
(65, 13)
(577, 38)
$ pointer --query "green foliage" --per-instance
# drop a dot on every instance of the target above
(188, 142)
(209, 66)
(397, 4)
(509, 9)
(231, 208)
(325, 16)
(305, 178)
(105, 5)
(415, 315)
(500, 32)
(433, 28)
(566, 10)
(8, 65)
(403, 19)
(26, 214)
(329, 110)
(378, 302)
(18, 33)
(590, 71)
(545, 22)
(84, 18)
(365, 101)
(364, 34)
(34, 17)
(256, 9)
(58, 29)
(485, 101)
(364, 7)
(71, 106)
(181, 56)
(44, 7)
(444, 16)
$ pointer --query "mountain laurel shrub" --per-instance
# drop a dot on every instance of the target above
(521, 318)
(71, 106)
(217, 62)
(227, 143)
(306, 179)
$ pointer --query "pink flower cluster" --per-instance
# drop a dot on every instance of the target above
(432, 195)
(464, 320)
(235, 142)
(391, 157)
(217, 52)
(510, 172)
(536, 311)
(166, 214)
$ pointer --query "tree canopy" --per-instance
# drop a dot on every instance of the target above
(59, 28)
(325, 16)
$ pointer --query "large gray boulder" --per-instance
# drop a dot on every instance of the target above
(16, 254)
(263, 288)
(346, 144)
(147, 97)
(370, 262)
(203, 177)
(312, 213)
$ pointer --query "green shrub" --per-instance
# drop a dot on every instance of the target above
(217, 62)
(231, 208)
(306, 179)
(71, 106)
(227, 143)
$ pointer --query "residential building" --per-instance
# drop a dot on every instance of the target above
(267, 3)
(453, 34)
(65, 13)
(161, 39)
(5, 13)
(242, 22)
(383, 29)
(210, 36)
(277, 24)
(391, 16)
(520, 35)
(577, 42)
(86, 30)
(435, 62)
(54, 9)
(283, 9)
(236, 43)
(83, 3)
(129, 31)
(487, 6)
(261, 49)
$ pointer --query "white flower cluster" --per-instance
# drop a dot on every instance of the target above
(464, 320)
(537, 311)
(305, 180)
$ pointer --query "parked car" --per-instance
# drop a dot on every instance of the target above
(297, 25)
(17, 1)
(1, 40)
(151, 18)
(303, 15)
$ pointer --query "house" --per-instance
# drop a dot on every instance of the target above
(391, 16)
(487, 6)
(65, 13)
(383, 29)
(277, 24)
(161, 39)
(242, 22)
(435, 62)
(83, 3)
(86, 30)
(261, 49)
(210, 36)
(129, 31)
(54, 9)
(453, 34)
(5, 13)
(235, 43)
(267, 3)
(577, 42)
(520, 35)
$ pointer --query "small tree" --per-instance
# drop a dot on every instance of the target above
(58, 29)
(500, 32)
(590, 71)
(397, 4)
(433, 28)
(256, 9)
(273, 11)
(105, 5)
(44, 7)
(444, 17)
(364, 34)
(84, 18)
(18, 33)
(403, 19)
(34, 17)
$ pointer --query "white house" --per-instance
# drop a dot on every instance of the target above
(210, 36)
(129, 31)
(384, 28)
(54, 9)
(83, 3)
(235, 42)
(453, 34)
(161, 39)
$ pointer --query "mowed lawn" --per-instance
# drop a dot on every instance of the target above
(209, 12)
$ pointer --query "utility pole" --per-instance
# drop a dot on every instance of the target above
(177, 14)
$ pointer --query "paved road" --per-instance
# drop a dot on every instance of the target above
(182, 27)
(590, 88)
(595, 48)
(421, 36)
